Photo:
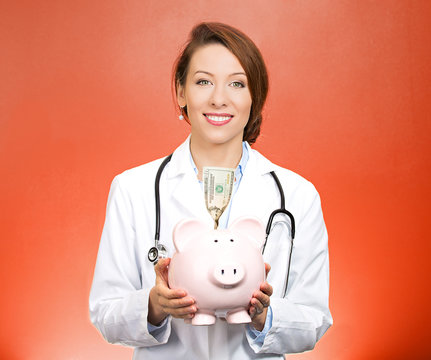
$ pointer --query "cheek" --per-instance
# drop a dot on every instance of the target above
(244, 101)
(195, 101)
(245, 106)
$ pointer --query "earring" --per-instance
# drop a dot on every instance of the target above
(181, 116)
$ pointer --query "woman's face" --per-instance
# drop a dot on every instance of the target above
(217, 96)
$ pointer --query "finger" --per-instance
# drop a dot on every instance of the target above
(262, 299)
(162, 263)
(176, 303)
(267, 269)
(161, 268)
(257, 305)
(165, 292)
(252, 311)
(266, 288)
(181, 312)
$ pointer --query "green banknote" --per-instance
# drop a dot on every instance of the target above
(218, 184)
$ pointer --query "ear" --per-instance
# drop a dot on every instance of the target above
(181, 96)
(250, 227)
(186, 230)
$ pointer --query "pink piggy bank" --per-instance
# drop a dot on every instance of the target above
(220, 269)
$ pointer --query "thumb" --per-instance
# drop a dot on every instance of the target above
(161, 269)
(267, 269)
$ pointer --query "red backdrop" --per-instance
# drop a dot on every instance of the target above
(85, 93)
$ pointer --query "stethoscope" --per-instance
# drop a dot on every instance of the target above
(160, 251)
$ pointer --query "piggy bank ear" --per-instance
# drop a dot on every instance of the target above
(250, 227)
(186, 230)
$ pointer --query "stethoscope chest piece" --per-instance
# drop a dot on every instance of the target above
(153, 254)
(156, 252)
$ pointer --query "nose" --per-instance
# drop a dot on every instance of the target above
(219, 97)
(228, 274)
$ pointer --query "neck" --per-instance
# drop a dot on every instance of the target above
(223, 155)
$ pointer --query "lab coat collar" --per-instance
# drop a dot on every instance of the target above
(258, 163)
(180, 162)
(184, 186)
(253, 191)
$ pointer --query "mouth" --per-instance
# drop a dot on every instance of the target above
(218, 119)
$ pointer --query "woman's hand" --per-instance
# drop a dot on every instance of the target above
(260, 302)
(164, 301)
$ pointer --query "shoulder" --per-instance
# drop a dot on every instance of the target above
(135, 184)
(146, 173)
(287, 177)
(140, 174)
(301, 196)
(299, 192)
(142, 178)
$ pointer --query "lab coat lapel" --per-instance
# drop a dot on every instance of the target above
(189, 197)
(184, 187)
(252, 194)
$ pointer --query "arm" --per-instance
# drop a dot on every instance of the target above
(302, 316)
(122, 310)
(118, 303)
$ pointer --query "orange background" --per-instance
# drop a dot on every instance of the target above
(85, 93)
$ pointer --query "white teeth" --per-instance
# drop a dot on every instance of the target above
(218, 118)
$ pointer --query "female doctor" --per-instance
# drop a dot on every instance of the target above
(221, 85)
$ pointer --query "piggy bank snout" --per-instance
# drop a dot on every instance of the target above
(228, 274)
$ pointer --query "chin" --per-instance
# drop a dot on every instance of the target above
(223, 140)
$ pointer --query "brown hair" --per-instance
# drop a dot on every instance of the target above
(249, 57)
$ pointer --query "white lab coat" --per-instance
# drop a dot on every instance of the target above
(123, 275)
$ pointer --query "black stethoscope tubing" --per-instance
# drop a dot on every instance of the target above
(157, 195)
(153, 252)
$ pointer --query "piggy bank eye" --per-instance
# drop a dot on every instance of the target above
(215, 240)
(231, 240)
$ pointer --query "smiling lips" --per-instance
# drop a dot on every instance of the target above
(218, 119)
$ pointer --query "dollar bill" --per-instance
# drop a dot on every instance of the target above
(218, 184)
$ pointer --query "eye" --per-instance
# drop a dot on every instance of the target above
(231, 240)
(237, 84)
(203, 82)
(215, 240)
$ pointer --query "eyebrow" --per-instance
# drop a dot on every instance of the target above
(208, 73)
